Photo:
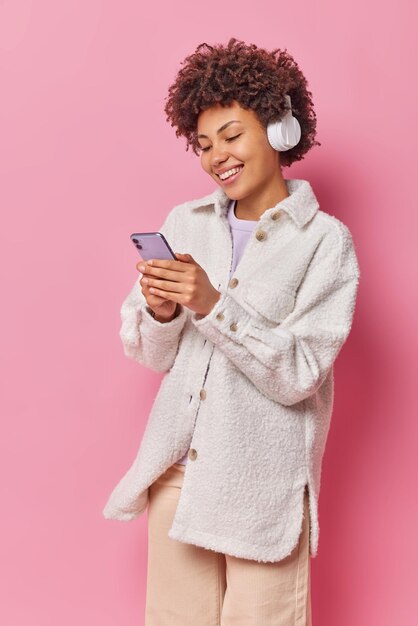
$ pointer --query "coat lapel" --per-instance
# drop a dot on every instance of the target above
(301, 205)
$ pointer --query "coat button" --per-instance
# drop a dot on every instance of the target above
(233, 326)
(220, 317)
(233, 282)
(192, 454)
(202, 394)
(261, 235)
(275, 215)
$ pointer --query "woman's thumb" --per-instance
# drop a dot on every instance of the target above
(186, 257)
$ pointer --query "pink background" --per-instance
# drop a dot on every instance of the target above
(86, 157)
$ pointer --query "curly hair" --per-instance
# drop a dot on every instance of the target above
(253, 77)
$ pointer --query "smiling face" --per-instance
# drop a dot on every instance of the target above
(236, 153)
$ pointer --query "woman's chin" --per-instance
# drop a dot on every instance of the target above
(233, 192)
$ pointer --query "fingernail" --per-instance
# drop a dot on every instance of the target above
(141, 268)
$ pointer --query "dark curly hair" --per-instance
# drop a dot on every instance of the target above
(253, 77)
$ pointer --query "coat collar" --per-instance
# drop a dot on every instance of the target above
(301, 205)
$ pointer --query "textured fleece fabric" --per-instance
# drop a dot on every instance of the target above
(264, 356)
(240, 231)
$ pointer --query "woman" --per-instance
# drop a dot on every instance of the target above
(247, 324)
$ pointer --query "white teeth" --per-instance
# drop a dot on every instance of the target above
(229, 173)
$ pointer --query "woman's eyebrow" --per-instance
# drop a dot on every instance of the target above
(221, 128)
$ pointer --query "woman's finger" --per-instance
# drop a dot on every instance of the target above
(158, 272)
(165, 285)
(189, 259)
(168, 264)
(167, 295)
(152, 299)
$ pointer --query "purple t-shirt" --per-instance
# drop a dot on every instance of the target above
(241, 231)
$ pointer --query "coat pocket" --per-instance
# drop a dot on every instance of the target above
(271, 303)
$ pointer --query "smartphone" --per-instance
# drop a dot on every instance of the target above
(152, 246)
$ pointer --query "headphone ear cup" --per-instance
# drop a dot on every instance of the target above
(284, 134)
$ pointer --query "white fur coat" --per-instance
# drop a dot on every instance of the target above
(264, 356)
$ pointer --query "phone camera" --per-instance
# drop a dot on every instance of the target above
(138, 245)
(135, 240)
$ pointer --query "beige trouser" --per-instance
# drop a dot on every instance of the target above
(188, 585)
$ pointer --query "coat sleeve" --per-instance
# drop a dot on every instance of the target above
(288, 361)
(149, 342)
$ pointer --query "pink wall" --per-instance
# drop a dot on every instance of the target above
(85, 158)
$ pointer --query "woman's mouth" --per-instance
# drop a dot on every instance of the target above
(231, 175)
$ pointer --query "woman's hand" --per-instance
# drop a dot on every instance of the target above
(168, 283)
(164, 310)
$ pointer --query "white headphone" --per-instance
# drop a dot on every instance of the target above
(285, 133)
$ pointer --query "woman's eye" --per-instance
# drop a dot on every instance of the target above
(235, 137)
(227, 139)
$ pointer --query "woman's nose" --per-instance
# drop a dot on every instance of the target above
(218, 156)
